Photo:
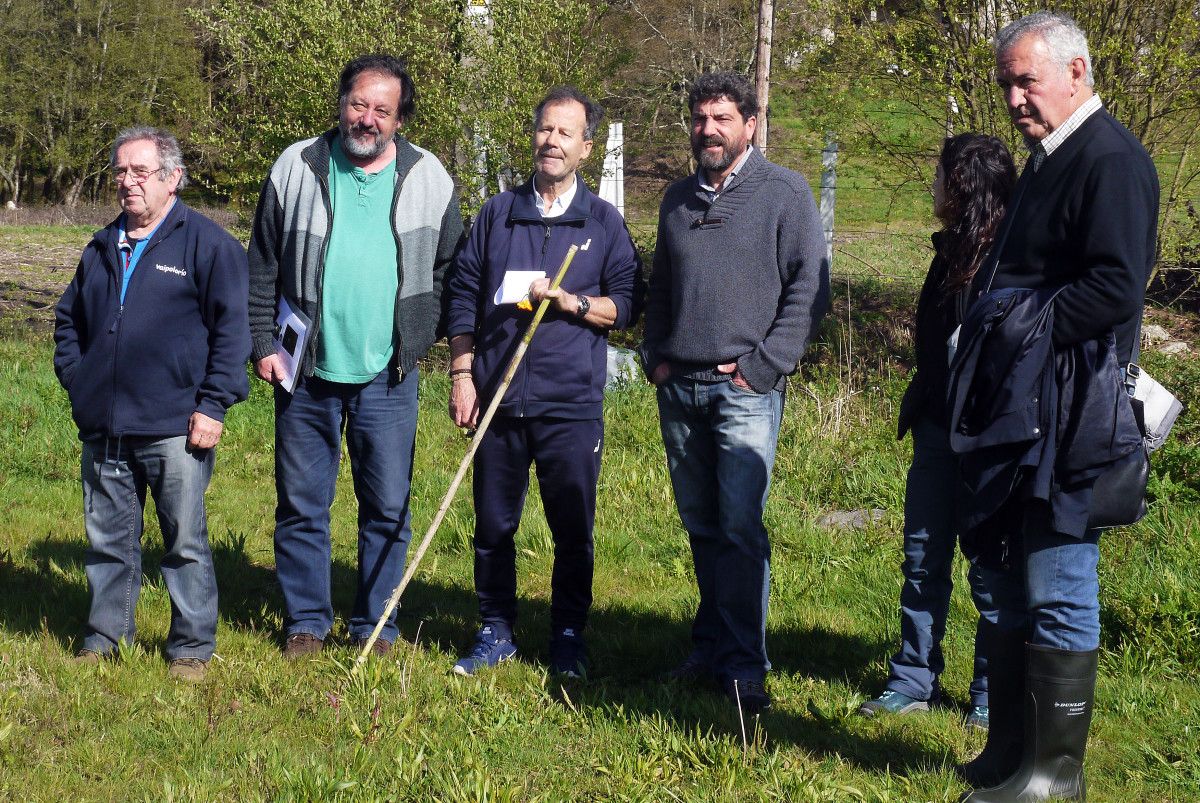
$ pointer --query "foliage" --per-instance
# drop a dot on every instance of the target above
(274, 67)
(73, 73)
(935, 58)
(407, 729)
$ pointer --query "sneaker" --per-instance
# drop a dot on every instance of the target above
(892, 702)
(301, 645)
(751, 695)
(191, 670)
(490, 649)
(978, 718)
(381, 646)
(568, 654)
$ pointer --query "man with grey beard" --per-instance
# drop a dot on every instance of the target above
(355, 229)
(739, 284)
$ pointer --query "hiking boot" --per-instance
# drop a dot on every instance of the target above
(751, 695)
(892, 702)
(86, 656)
(694, 669)
(191, 670)
(381, 646)
(491, 648)
(978, 718)
(568, 654)
(301, 645)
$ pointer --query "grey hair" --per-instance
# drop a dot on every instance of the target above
(164, 142)
(1064, 39)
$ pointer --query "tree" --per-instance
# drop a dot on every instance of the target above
(274, 66)
(77, 71)
(936, 56)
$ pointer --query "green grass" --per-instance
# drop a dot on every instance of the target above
(406, 729)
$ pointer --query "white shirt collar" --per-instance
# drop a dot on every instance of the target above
(559, 205)
(1058, 136)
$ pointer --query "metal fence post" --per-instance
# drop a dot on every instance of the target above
(828, 191)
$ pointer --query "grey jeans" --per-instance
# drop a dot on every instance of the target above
(116, 474)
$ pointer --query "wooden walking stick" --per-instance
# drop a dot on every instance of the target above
(394, 600)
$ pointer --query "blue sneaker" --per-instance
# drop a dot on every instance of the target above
(978, 718)
(892, 702)
(491, 648)
(568, 654)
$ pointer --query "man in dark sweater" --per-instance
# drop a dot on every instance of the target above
(1083, 219)
(739, 283)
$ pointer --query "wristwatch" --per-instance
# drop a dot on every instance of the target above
(584, 306)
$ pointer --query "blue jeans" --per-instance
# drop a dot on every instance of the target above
(115, 476)
(567, 458)
(1051, 589)
(720, 444)
(930, 538)
(380, 421)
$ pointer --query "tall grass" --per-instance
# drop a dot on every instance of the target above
(406, 729)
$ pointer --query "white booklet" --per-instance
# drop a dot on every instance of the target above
(291, 333)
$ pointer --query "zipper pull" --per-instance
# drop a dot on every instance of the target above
(546, 241)
(117, 320)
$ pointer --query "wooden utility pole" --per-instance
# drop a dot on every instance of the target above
(762, 72)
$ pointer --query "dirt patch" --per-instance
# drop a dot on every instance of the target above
(32, 277)
(39, 249)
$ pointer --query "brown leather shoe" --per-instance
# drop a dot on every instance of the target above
(380, 647)
(191, 670)
(301, 645)
(86, 656)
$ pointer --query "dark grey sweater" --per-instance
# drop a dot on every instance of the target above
(743, 278)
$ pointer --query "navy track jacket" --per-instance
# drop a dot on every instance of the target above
(563, 374)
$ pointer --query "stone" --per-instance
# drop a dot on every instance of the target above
(851, 519)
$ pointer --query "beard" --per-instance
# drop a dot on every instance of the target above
(730, 151)
(361, 148)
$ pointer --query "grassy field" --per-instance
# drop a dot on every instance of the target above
(406, 729)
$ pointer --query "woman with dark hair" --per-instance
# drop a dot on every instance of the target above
(975, 176)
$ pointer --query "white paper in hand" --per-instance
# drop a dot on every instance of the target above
(515, 287)
(292, 333)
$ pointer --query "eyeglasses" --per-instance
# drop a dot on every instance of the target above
(140, 175)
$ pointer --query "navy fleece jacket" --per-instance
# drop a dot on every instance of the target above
(178, 345)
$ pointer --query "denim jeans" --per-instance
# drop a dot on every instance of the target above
(567, 458)
(380, 421)
(930, 538)
(720, 444)
(1051, 588)
(115, 476)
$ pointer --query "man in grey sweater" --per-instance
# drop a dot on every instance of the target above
(739, 283)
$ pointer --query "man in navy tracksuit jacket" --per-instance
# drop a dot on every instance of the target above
(151, 339)
(552, 413)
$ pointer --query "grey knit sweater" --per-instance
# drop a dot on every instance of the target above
(743, 278)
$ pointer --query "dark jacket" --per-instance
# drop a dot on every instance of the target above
(563, 373)
(1031, 420)
(937, 317)
(179, 343)
(291, 229)
(1086, 222)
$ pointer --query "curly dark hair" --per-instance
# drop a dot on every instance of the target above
(732, 86)
(384, 64)
(978, 178)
